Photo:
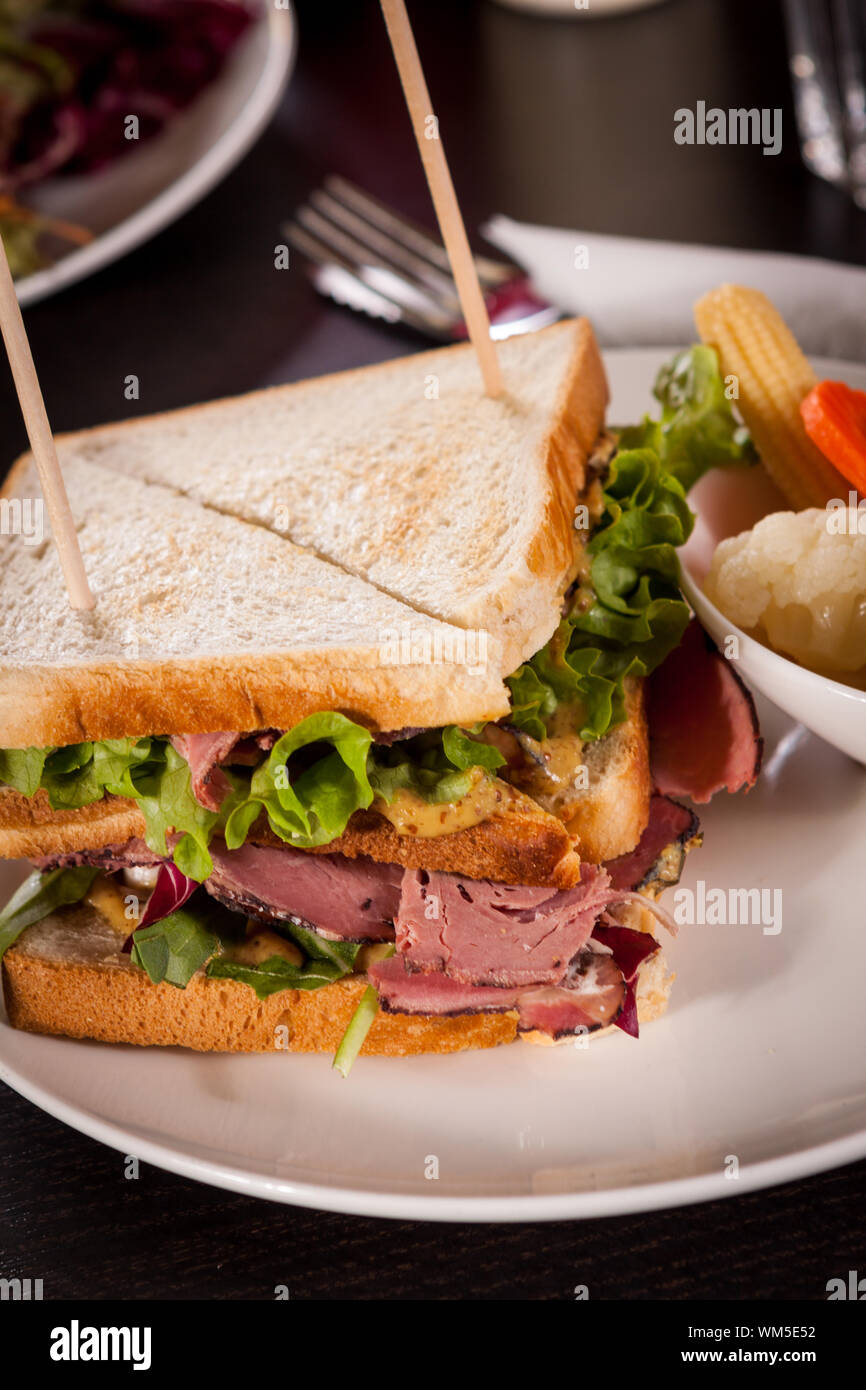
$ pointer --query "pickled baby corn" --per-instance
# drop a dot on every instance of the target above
(756, 346)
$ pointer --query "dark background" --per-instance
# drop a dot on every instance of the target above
(567, 122)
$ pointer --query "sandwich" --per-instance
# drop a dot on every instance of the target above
(378, 737)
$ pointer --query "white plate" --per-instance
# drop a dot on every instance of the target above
(761, 1056)
(135, 197)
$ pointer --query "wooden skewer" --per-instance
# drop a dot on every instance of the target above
(442, 192)
(41, 440)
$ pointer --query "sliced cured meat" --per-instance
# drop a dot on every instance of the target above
(483, 933)
(403, 991)
(112, 857)
(590, 999)
(204, 753)
(342, 899)
(704, 733)
(398, 735)
(658, 856)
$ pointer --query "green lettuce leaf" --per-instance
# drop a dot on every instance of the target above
(326, 962)
(310, 806)
(174, 948)
(276, 974)
(22, 768)
(630, 614)
(339, 953)
(38, 896)
(466, 752)
(697, 430)
(533, 699)
(438, 765)
(162, 786)
(147, 769)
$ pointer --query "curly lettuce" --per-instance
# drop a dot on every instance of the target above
(310, 806)
(625, 619)
(314, 779)
(439, 765)
(698, 429)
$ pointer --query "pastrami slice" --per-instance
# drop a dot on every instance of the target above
(204, 753)
(433, 993)
(483, 933)
(342, 899)
(704, 733)
(591, 998)
(657, 858)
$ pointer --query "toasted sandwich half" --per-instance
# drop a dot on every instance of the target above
(353, 752)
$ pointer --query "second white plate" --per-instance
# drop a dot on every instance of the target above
(135, 197)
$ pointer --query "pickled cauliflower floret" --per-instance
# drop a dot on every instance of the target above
(799, 585)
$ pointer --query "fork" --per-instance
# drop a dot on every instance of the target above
(364, 255)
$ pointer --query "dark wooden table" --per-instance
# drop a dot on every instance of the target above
(551, 121)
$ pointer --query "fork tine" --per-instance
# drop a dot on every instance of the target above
(391, 252)
(335, 278)
(334, 244)
(492, 273)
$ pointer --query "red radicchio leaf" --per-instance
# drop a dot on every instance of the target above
(629, 949)
(626, 1019)
(171, 892)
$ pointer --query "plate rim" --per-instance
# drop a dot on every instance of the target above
(527, 1207)
(585, 1204)
(182, 194)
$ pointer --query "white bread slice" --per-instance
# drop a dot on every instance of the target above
(203, 622)
(403, 474)
(66, 976)
(611, 813)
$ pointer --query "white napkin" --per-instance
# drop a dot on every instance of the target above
(641, 292)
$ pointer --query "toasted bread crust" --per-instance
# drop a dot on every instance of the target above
(579, 417)
(30, 829)
(62, 705)
(115, 1002)
(528, 846)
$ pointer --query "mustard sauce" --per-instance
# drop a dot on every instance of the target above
(410, 814)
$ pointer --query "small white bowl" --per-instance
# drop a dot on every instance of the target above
(728, 501)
